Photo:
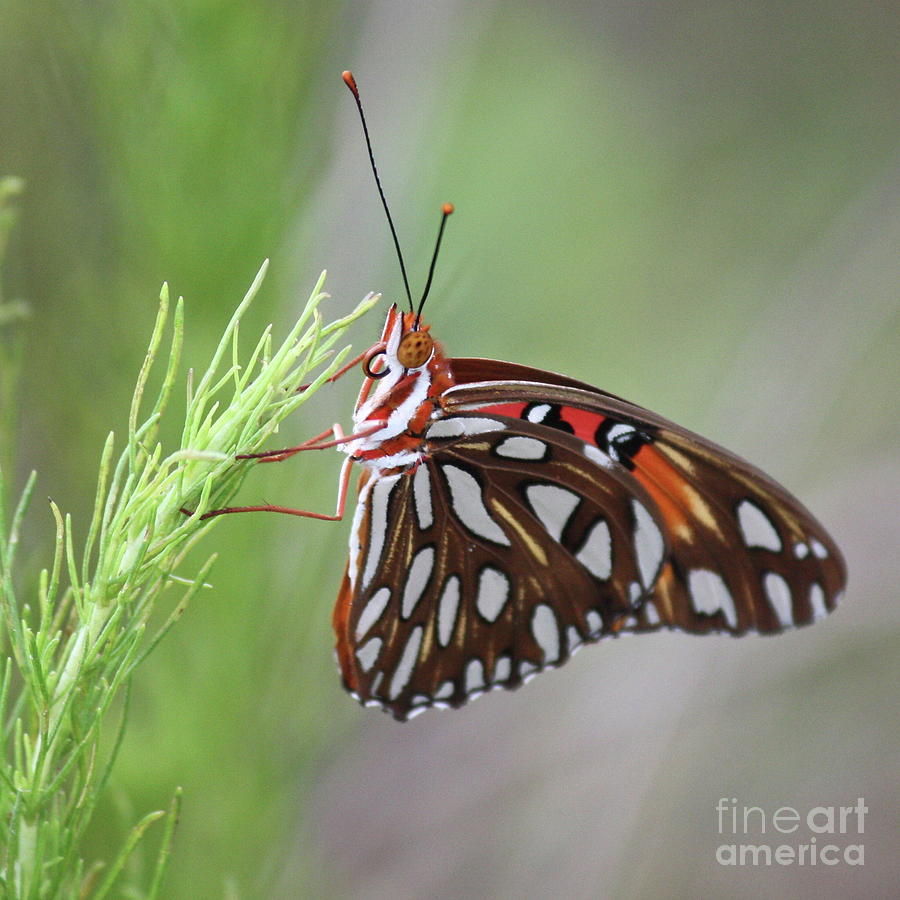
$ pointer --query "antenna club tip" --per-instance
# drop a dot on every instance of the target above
(447, 209)
(350, 81)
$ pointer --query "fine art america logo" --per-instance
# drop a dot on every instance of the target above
(818, 836)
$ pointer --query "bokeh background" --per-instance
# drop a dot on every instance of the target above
(692, 204)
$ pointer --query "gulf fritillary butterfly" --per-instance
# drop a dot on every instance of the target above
(507, 516)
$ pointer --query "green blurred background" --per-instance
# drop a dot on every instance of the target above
(691, 204)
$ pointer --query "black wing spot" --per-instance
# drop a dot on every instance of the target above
(547, 414)
(621, 441)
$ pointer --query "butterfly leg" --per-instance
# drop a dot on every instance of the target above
(314, 443)
(278, 455)
(343, 484)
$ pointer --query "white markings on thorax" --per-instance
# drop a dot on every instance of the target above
(493, 592)
(398, 419)
(468, 504)
(553, 505)
(757, 527)
(710, 594)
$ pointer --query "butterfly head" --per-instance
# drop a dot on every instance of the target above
(406, 348)
(406, 373)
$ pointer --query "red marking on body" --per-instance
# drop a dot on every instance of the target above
(399, 393)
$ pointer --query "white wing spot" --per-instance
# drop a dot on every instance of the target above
(817, 602)
(615, 434)
(461, 426)
(368, 653)
(650, 613)
(553, 506)
(594, 622)
(539, 412)
(710, 594)
(527, 671)
(417, 579)
(649, 544)
(779, 594)
(818, 548)
(416, 711)
(502, 668)
(493, 592)
(596, 455)
(596, 552)
(407, 663)
(474, 676)
(522, 448)
(801, 551)
(420, 700)
(573, 639)
(381, 493)
(757, 527)
(448, 607)
(445, 691)
(422, 496)
(546, 632)
(468, 505)
(372, 611)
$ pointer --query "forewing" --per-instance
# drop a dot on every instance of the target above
(742, 553)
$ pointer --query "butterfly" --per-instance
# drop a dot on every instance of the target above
(507, 516)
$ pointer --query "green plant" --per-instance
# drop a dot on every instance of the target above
(73, 648)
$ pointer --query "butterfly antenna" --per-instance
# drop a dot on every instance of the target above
(446, 210)
(350, 81)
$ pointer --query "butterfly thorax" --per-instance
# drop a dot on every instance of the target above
(396, 400)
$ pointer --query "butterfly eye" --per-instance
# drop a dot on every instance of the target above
(414, 349)
(367, 365)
